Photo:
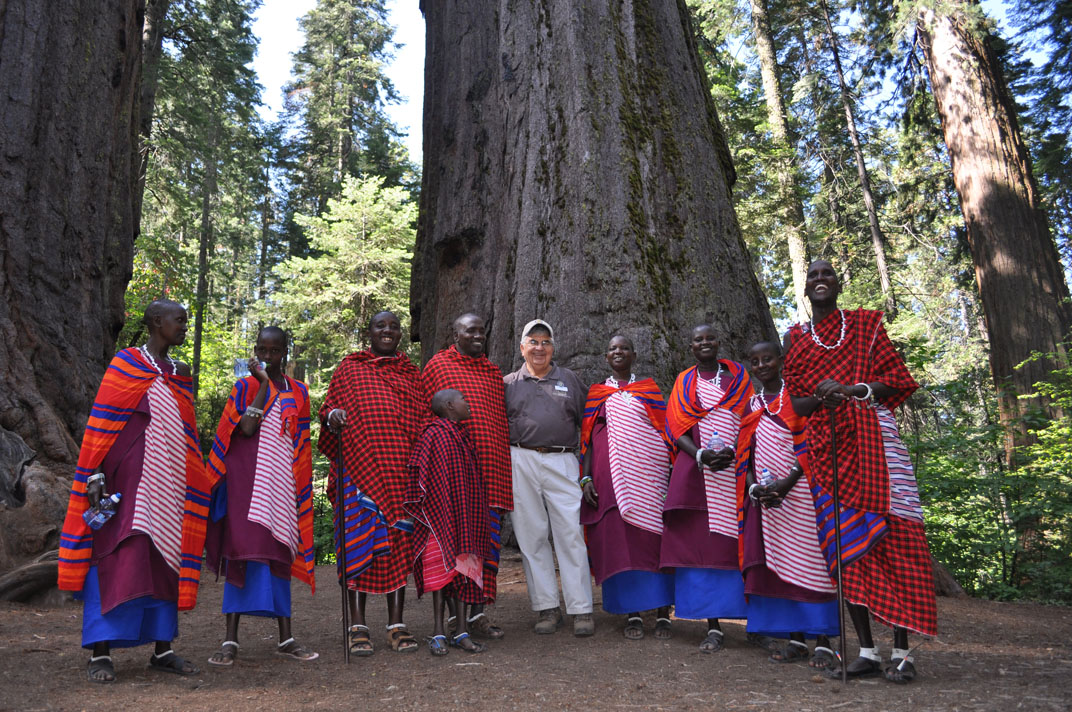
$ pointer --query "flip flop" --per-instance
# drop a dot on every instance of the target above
(168, 661)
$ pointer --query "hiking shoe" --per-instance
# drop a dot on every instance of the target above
(548, 622)
(583, 625)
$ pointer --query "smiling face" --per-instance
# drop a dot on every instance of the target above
(765, 363)
(171, 325)
(384, 332)
(470, 335)
(822, 286)
(271, 348)
(620, 356)
(537, 349)
(704, 345)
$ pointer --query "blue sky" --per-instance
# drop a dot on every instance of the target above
(276, 25)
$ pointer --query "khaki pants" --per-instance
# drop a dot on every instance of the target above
(547, 501)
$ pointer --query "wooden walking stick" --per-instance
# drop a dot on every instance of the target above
(837, 549)
(340, 533)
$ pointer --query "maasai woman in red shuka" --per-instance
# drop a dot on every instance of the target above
(465, 367)
(700, 514)
(790, 592)
(261, 526)
(143, 565)
(844, 361)
(449, 505)
(373, 409)
(625, 463)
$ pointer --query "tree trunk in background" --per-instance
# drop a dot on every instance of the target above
(878, 240)
(575, 170)
(68, 219)
(793, 221)
(152, 46)
(1023, 289)
(205, 246)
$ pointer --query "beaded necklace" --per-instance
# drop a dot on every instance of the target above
(144, 348)
(815, 337)
(777, 399)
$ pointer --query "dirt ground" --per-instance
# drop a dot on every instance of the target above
(989, 656)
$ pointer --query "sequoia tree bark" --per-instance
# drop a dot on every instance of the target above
(575, 170)
(1023, 290)
(69, 73)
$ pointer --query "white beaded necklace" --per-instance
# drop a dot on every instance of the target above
(718, 375)
(144, 348)
(815, 337)
(613, 381)
(778, 400)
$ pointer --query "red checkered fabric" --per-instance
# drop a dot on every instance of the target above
(480, 381)
(895, 580)
(384, 408)
(447, 499)
(864, 356)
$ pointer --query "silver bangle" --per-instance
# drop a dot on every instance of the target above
(254, 412)
(867, 396)
(699, 458)
(751, 492)
(95, 477)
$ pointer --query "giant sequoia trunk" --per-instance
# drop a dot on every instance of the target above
(68, 165)
(575, 170)
(1023, 289)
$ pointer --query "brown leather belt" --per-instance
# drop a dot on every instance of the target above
(546, 450)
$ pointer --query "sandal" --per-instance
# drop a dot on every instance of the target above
(401, 640)
(480, 627)
(168, 661)
(292, 649)
(765, 642)
(474, 647)
(225, 656)
(634, 628)
(795, 651)
(360, 642)
(437, 645)
(712, 643)
(900, 671)
(100, 669)
(861, 667)
(822, 658)
(662, 629)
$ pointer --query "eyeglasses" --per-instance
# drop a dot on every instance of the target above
(533, 343)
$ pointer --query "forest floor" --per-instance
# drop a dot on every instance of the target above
(988, 656)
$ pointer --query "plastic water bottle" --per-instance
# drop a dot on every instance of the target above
(97, 516)
(715, 442)
(241, 367)
(765, 479)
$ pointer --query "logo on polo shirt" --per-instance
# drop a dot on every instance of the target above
(561, 389)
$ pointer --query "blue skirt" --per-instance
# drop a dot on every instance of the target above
(709, 593)
(778, 617)
(134, 622)
(634, 591)
(262, 594)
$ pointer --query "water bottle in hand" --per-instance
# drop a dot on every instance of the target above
(765, 479)
(715, 442)
(95, 517)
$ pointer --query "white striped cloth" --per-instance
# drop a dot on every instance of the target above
(904, 495)
(161, 493)
(790, 538)
(721, 486)
(273, 503)
(638, 463)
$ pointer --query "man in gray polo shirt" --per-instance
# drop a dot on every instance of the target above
(544, 406)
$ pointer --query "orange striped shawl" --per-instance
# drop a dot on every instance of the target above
(683, 410)
(294, 410)
(125, 382)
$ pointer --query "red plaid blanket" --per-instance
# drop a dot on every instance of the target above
(865, 356)
(446, 496)
(480, 381)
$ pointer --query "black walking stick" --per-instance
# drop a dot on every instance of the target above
(837, 548)
(340, 532)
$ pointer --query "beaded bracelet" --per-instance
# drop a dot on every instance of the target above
(254, 412)
(584, 480)
(95, 477)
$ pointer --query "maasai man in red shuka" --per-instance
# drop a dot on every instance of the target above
(373, 408)
(261, 526)
(449, 505)
(625, 465)
(844, 361)
(465, 367)
(700, 514)
(790, 592)
(143, 565)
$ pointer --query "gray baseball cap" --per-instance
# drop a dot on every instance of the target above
(533, 324)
